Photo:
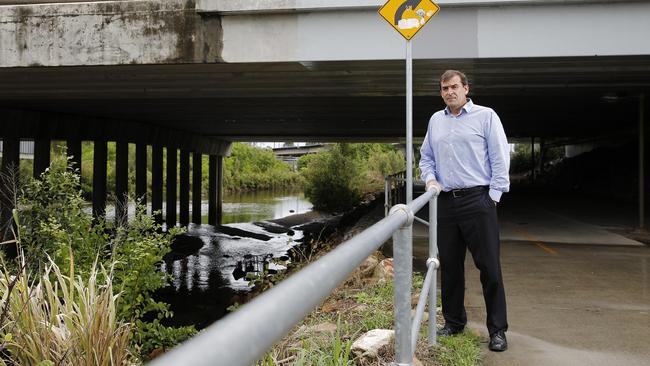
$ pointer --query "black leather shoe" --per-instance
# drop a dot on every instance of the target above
(448, 331)
(498, 342)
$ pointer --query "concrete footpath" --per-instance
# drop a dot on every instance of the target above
(577, 294)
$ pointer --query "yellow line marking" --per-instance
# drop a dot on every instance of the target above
(538, 242)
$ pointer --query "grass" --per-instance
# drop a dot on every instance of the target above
(62, 320)
(353, 309)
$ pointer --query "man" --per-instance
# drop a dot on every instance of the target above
(465, 156)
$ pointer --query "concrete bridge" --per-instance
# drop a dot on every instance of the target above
(191, 76)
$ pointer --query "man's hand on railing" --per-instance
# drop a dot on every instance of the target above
(434, 184)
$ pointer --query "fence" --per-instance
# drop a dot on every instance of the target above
(244, 336)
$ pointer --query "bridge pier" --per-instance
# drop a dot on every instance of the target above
(100, 159)
(184, 199)
(196, 187)
(215, 176)
(156, 182)
(170, 216)
(44, 128)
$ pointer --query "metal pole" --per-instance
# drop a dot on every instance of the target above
(386, 196)
(402, 256)
(433, 253)
(641, 163)
(409, 123)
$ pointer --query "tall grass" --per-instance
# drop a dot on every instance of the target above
(58, 319)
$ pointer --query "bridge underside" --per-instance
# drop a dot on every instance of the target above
(572, 97)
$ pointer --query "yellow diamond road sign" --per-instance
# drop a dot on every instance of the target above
(408, 16)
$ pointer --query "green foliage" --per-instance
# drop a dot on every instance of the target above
(459, 350)
(53, 223)
(252, 168)
(336, 179)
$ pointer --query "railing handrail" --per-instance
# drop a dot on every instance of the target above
(244, 336)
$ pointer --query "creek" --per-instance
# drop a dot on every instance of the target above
(211, 266)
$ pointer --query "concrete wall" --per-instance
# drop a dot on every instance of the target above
(108, 33)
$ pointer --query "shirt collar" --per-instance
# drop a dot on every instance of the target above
(467, 107)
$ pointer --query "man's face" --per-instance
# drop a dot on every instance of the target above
(454, 93)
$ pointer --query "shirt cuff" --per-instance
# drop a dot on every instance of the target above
(495, 195)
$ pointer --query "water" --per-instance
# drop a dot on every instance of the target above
(206, 282)
(256, 206)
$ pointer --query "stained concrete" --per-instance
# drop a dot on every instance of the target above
(578, 294)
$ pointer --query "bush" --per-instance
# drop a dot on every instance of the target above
(336, 180)
(252, 168)
(53, 224)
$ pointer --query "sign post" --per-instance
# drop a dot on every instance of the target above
(408, 17)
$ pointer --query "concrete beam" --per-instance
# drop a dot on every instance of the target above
(107, 33)
(287, 6)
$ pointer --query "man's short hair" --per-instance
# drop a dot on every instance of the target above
(451, 73)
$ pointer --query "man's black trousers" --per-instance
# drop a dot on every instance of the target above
(469, 221)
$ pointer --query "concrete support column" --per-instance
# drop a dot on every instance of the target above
(41, 156)
(213, 197)
(99, 178)
(196, 188)
(141, 172)
(184, 183)
(170, 216)
(121, 182)
(9, 170)
(215, 193)
(156, 182)
(74, 152)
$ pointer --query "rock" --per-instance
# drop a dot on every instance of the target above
(329, 328)
(156, 352)
(425, 316)
(417, 362)
(369, 344)
(367, 268)
(384, 270)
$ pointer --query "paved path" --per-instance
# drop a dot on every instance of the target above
(577, 293)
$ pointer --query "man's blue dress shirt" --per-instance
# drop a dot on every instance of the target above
(467, 150)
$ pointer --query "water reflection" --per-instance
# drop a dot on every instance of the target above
(205, 283)
(256, 206)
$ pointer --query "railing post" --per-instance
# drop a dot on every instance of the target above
(386, 196)
(433, 254)
(403, 266)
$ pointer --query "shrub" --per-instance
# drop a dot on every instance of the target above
(333, 179)
(52, 223)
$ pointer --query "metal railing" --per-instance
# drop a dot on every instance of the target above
(242, 337)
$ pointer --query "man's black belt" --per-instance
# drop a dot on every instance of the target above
(457, 193)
